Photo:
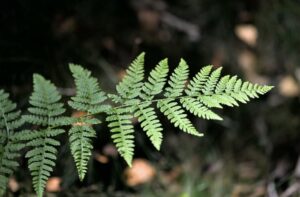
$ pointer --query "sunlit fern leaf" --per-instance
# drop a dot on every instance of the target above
(174, 112)
(150, 123)
(46, 112)
(10, 144)
(156, 80)
(198, 81)
(145, 113)
(214, 92)
(170, 107)
(121, 129)
(198, 109)
(131, 85)
(89, 99)
(212, 82)
(177, 80)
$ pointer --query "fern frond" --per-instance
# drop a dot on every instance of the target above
(174, 112)
(10, 146)
(177, 80)
(89, 98)
(45, 111)
(169, 107)
(131, 85)
(197, 83)
(145, 113)
(156, 80)
(198, 109)
(121, 127)
(150, 123)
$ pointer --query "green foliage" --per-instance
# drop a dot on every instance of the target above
(136, 98)
(10, 141)
(46, 113)
(88, 99)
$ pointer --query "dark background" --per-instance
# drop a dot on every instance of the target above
(253, 152)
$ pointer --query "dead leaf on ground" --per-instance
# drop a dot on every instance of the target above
(101, 158)
(288, 87)
(141, 172)
(79, 114)
(110, 150)
(247, 33)
(53, 184)
(13, 185)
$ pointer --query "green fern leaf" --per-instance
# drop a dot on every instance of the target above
(131, 85)
(89, 99)
(121, 127)
(174, 112)
(145, 113)
(213, 92)
(156, 81)
(177, 80)
(46, 112)
(150, 123)
(198, 81)
(10, 145)
(198, 109)
(169, 107)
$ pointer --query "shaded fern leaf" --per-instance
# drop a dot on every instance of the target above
(89, 99)
(10, 144)
(121, 129)
(46, 112)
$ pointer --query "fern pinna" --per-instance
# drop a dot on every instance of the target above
(46, 113)
(10, 140)
(88, 99)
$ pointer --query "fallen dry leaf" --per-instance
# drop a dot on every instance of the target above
(53, 184)
(288, 87)
(140, 172)
(13, 185)
(79, 114)
(101, 158)
(110, 150)
(247, 33)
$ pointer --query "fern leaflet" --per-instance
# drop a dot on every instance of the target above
(10, 142)
(88, 99)
(170, 108)
(46, 112)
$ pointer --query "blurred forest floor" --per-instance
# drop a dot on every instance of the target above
(254, 152)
